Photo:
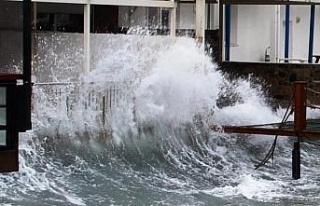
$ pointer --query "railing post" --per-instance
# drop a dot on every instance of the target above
(104, 110)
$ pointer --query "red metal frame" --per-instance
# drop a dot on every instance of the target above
(10, 77)
(300, 121)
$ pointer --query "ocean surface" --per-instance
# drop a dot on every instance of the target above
(145, 129)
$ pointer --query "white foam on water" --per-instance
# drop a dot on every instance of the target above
(166, 86)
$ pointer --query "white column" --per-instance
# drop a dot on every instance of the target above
(86, 32)
(173, 20)
(200, 20)
(34, 15)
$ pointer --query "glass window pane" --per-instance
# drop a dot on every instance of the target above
(3, 96)
(3, 137)
(3, 117)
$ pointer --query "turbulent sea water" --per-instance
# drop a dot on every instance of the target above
(161, 144)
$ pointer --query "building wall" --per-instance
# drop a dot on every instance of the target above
(10, 37)
(186, 16)
(254, 30)
(300, 18)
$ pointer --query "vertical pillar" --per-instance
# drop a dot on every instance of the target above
(86, 33)
(311, 34)
(27, 66)
(296, 169)
(27, 45)
(287, 33)
(34, 18)
(173, 20)
(209, 16)
(278, 25)
(227, 31)
(300, 96)
(200, 20)
(221, 39)
(300, 124)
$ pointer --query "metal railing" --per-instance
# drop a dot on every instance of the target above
(102, 98)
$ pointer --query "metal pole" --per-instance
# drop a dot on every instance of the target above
(228, 31)
(287, 33)
(220, 57)
(311, 34)
(27, 49)
(208, 16)
(300, 124)
(296, 169)
(26, 89)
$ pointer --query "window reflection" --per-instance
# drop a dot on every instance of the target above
(3, 139)
(3, 96)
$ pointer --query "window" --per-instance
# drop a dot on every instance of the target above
(3, 116)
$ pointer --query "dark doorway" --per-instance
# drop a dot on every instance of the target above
(105, 19)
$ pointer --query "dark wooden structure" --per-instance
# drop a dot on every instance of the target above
(15, 101)
(299, 129)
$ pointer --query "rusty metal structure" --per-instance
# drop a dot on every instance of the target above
(299, 129)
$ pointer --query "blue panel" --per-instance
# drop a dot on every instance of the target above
(311, 34)
(287, 33)
(227, 31)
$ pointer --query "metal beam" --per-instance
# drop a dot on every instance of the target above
(269, 2)
(266, 131)
(27, 46)
(142, 3)
(262, 131)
